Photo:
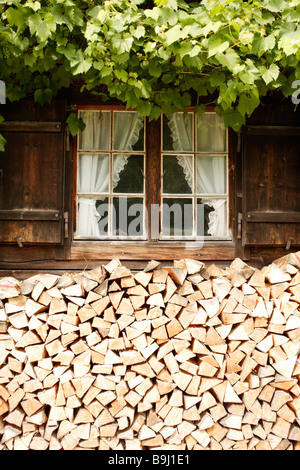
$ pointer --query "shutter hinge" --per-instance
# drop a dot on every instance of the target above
(19, 242)
(66, 225)
(288, 243)
(240, 219)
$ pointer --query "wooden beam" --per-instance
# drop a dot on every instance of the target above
(273, 217)
(148, 250)
(273, 130)
(31, 215)
(30, 126)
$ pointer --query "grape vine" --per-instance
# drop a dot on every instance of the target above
(152, 55)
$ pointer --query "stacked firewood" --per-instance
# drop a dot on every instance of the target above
(186, 357)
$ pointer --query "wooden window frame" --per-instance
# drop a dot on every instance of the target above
(110, 194)
(194, 195)
(153, 247)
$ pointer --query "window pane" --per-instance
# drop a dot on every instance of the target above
(102, 207)
(211, 217)
(178, 174)
(128, 217)
(210, 133)
(92, 217)
(128, 174)
(167, 143)
(178, 132)
(96, 135)
(211, 174)
(93, 174)
(177, 219)
(128, 131)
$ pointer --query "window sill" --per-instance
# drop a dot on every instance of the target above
(144, 250)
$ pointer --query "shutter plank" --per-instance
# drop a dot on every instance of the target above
(30, 231)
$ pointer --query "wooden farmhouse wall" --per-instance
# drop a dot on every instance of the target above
(38, 181)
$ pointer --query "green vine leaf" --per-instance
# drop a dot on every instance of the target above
(42, 25)
(2, 139)
(75, 124)
(2, 143)
(270, 74)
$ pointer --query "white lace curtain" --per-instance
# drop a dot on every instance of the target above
(93, 177)
(211, 170)
(93, 169)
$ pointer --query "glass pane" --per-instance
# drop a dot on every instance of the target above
(96, 135)
(212, 217)
(128, 217)
(102, 207)
(128, 174)
(178, 174)
(178, 217)
(92, 217)
(212, 174)
(93, 174)
(178, 132)
(211, 133)
(128, 131)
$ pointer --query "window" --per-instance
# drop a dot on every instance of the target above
(194, 176)
(112, 175)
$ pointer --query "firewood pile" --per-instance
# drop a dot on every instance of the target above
(187, 357)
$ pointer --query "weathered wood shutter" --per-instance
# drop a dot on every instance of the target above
(32, 174)
(271, 186)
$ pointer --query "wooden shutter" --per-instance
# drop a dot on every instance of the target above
(271, 186)
(32, 174)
